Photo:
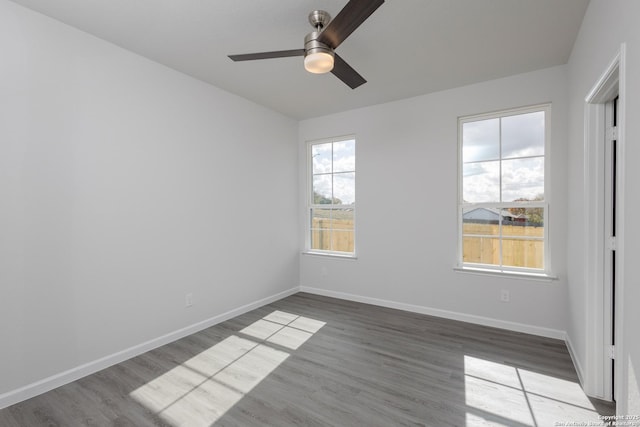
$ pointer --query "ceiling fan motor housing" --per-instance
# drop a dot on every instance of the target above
(318, 57)
(312, 45)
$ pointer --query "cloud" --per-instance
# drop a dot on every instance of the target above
(522, 178)
(344, 187)
(523, 135)
(481, 140)
(321, 158)
(344, 156)
(333, 165)
(519, 140)
(481, 182)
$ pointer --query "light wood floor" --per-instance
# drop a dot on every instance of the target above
(312, 360)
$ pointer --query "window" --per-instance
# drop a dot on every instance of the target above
(503, 212)
(331, 199)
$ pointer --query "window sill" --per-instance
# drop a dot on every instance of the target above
(542, 277)
(330, 255)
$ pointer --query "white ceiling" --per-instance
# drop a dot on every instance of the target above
(406, 48)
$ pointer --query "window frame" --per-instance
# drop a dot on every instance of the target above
(501, 269)
(310, 205)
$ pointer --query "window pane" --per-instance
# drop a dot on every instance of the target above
(481, 182)
(344, 188)
(321, 218)
(481, 140)
(523, 179)
(342, 219)
(321, 158)
(321, 229)
(321, 239)
(523, 135)
(322, 194)
(481, 250)
(332, 229)
(481, 221)
(342, 241)
(525, 222)
(523, 253)
(344, 156)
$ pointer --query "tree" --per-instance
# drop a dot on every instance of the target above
(535, 216)
(319, 199)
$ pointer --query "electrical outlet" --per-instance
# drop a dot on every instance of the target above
(188, 300)
(505, 296)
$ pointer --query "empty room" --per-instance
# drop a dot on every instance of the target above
(319, 212)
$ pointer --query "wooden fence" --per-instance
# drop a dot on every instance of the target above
(332, 234)
(516, 252)
(338, 235)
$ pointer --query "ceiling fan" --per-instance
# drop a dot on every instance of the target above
(319, 45)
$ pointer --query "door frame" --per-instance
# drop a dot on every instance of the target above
(597, 377)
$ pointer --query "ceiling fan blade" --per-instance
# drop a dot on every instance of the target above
(267, 55)
(344, 72)
(348, 19)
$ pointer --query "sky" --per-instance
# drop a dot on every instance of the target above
(520, 138)
(337, 158)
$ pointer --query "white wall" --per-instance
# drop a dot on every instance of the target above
(406, 191)
(606, 25)
(125, 185)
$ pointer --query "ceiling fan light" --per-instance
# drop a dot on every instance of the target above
(318, 62)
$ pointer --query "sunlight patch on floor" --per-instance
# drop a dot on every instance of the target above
(497, 401)
(501, 395)
(202, 389)
(284, 329)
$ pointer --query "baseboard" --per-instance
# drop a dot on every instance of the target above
(62, 378)
(480, 320)
(575, 360)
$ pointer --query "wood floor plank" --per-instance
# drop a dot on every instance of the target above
(317, 361)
